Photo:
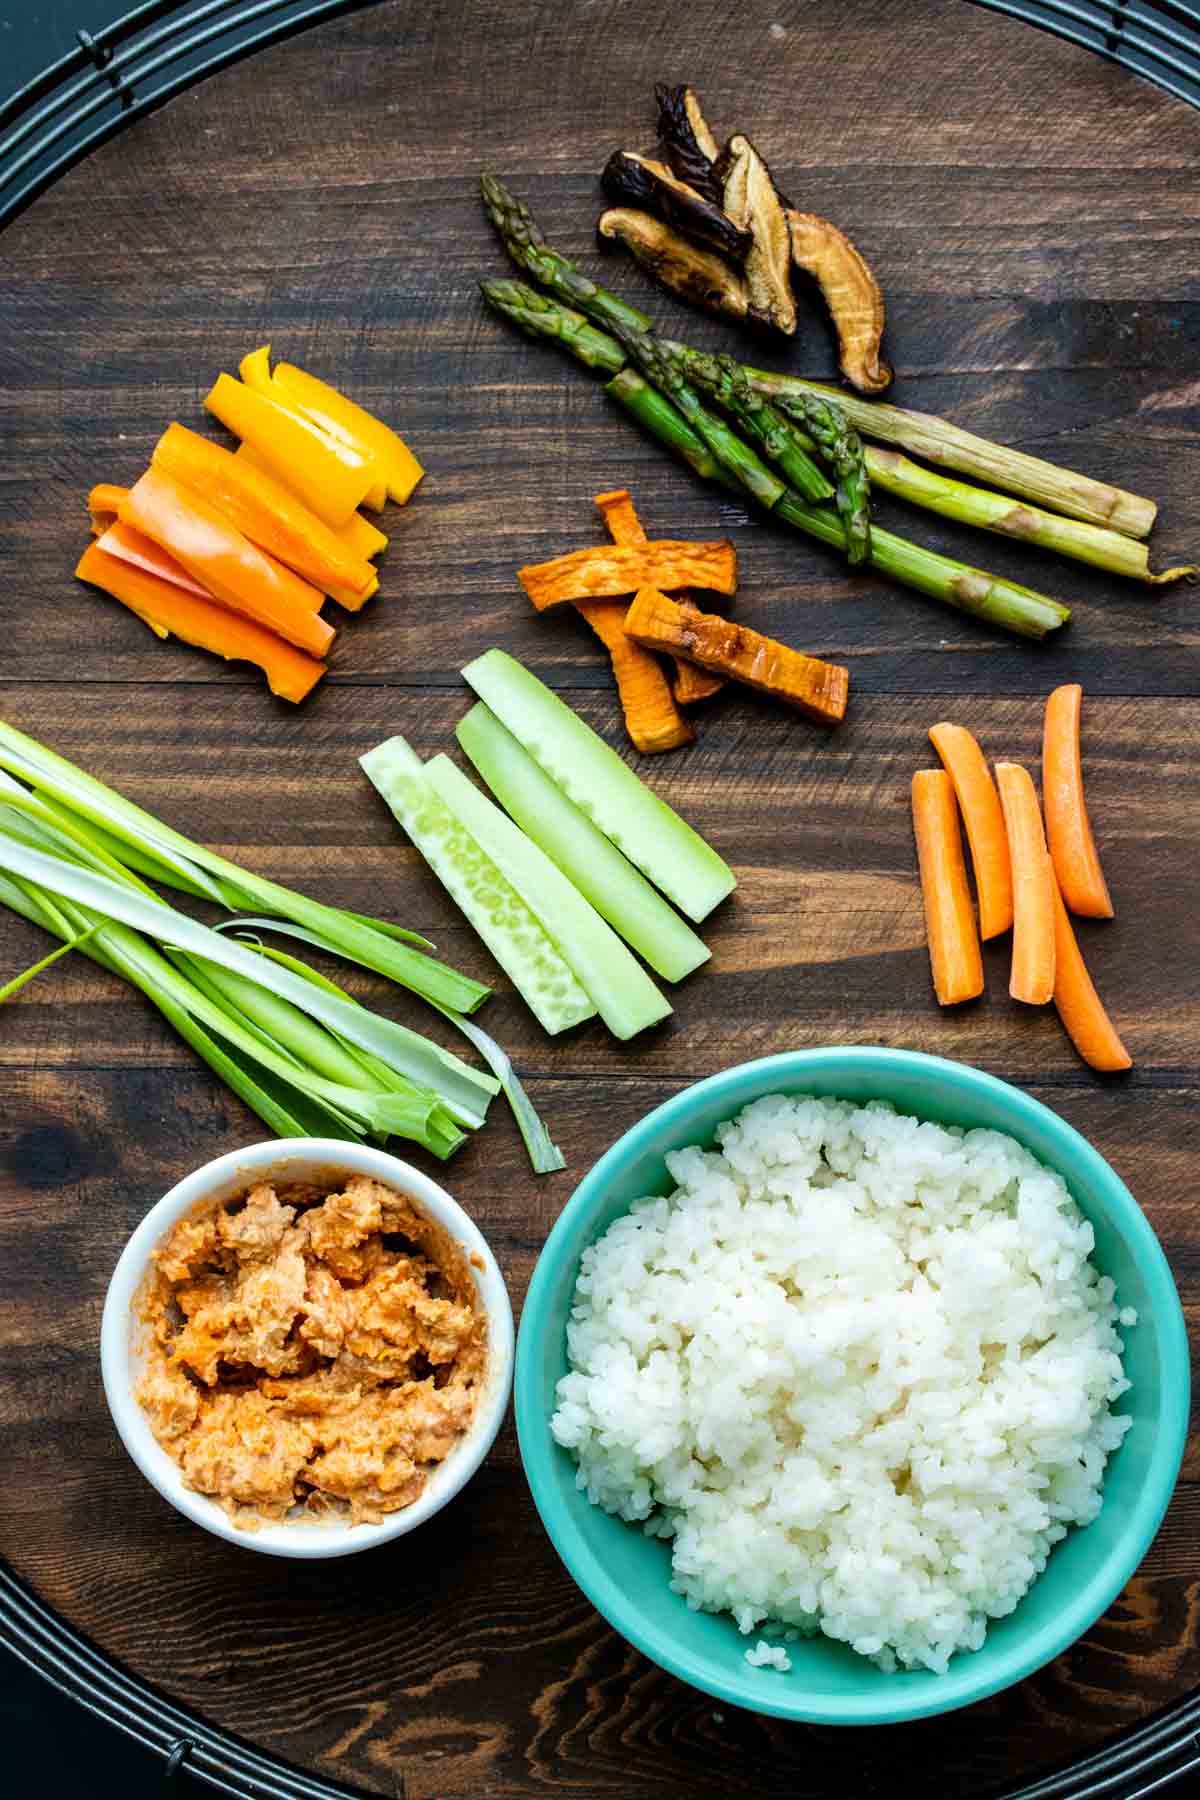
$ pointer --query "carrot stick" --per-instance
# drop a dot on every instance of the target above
(1078, 1004)
(1072, 846)
(624, 527)
(167, 608)
(954, 954)
(1032, 977)
(233, 569)
(979, 804)
(143, 553)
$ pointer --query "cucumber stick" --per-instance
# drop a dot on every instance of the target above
(508, 927)
(673, 856)
(586, 857)
(624, 995)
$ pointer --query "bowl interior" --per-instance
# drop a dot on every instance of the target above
(626, 1574)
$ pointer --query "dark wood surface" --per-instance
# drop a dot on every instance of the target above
(1033, 215)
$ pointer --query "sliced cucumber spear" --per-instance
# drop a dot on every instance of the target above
(586, 857)
(490, 903)
(624, 995)
(673, 856)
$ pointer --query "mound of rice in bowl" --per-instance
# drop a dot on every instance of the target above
(858, 1369)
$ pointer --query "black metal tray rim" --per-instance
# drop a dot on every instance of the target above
(119, 74)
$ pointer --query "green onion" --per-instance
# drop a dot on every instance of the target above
(673, 856)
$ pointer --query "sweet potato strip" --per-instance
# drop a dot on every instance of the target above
(652, 719)
(1033, 943)
(979, 804)
(1078, 1004)
(954, 954)
(234, 570)
(263, 509)
(169, 609)
(818, 689)
(619, 514)
(604, 574)
(141, 552)
(1068, 832)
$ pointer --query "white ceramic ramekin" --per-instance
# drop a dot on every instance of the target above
(302, 1159)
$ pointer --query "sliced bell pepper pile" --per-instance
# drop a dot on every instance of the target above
(236, 550)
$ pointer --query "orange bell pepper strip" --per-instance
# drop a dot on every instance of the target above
(234, 570)
(330, 478)
(104, 502)
(271, 517)
(255, 371)
(141, 552)
(168, 609)
(358, 535)
(342, 417)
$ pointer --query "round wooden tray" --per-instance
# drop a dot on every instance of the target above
(1031, 211)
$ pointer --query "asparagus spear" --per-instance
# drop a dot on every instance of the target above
(828, 431)
(956, 584)
(939, 441)
(715, 452)
(530, 251)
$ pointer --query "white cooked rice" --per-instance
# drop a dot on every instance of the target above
(857, 1369)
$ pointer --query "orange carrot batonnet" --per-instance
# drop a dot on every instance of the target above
(1068, 832)
(954, 954)
(168, 609)
(265, 511)
(234, 570)
(616, 508)
(1032, 978)
(1078, 1004)
(123, 542)
(979, 804)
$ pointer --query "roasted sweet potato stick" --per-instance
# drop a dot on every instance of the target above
(652, 719)
(1078, 1004)
(141, 552)
(1032, 977)
(954, 955)
(979, 804)
(169, 609)
(604, 574)
(620, 515)
(234, 570)
(1072, 846)
(817, 689)
(267, 513)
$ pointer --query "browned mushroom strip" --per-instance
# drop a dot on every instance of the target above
(694, 274)
(751, 201)
(632, 180)
(689, 145)
(851, 293)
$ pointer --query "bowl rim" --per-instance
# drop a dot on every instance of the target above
(956, 1688)
(306, 1540)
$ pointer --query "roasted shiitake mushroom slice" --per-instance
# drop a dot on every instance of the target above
(640, 181)
(689, 145)
(752, 201)
(684, 268)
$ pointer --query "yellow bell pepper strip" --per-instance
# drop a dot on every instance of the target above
(168, 609)
(255, 371)
(141, 552)
(343, 417)
(363, 538)
(234, 570)
(271, 517)
(329, 477)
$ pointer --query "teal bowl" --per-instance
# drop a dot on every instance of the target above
(625, 1574)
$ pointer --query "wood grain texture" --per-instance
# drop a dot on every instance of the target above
(1033, 215)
